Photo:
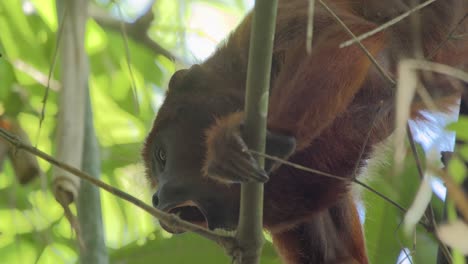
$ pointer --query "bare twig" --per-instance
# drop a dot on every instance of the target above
(326, 174)
(364, 49)
(123, 30)
(454, 191)
(310, 26)
(329, 175)
(438, 68)
(137, 31)
(386, 24)
(415, 152)
(51, 71)
(379, 113)
(457, 37)
(449, 36)
(169, 219)
(37, 75)
(429, 210)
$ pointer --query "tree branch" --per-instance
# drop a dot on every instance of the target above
(225, 240)
(382, 71)
(137, 30)
(386, 24)
(250, 228)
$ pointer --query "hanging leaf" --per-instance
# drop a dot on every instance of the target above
(420, 203)
(455, 235)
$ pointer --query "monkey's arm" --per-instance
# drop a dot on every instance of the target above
(314, 89)
(308, 94)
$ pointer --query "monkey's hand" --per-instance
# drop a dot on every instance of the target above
(227, 158)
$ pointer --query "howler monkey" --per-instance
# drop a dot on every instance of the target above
(326, 108)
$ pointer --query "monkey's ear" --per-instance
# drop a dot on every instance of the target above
(280, 146)
(186, 79)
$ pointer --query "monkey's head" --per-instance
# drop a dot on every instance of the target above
(174, 151)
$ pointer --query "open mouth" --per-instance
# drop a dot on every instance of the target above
(188, 211)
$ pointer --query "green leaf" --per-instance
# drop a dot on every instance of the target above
(463, 150)
(96, 38)
(14, 252)
(13, 104)
(457, 169)
(57, 253)
(47, 10)
(18, 37)
(460, 127)
(180, 249)
(114, 125)
(8, 78)
(384, 239)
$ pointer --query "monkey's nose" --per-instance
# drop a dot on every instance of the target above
(155, 200)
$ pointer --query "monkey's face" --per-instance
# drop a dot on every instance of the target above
(175, 149)
(174, 161)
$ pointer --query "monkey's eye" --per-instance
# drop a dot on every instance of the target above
(161, 155)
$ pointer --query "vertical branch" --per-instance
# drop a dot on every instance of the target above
(72, 146)
(249, 232)
(70, 132)
(89, 200)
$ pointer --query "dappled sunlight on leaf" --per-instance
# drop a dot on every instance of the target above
(117, 128)
(48, 12)
(96, 38)
(123, 222)
(57, 253)
(461, 126)
(24, 252)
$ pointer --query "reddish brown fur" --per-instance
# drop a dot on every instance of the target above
(216, 134)
(328, 101)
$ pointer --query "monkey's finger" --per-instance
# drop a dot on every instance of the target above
(248, 167)
(222, 175)
(237, 172)
(253, 175)
(240, 170)
(236, 168)
(227, 173)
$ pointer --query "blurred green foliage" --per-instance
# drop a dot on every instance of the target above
(33, 228)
